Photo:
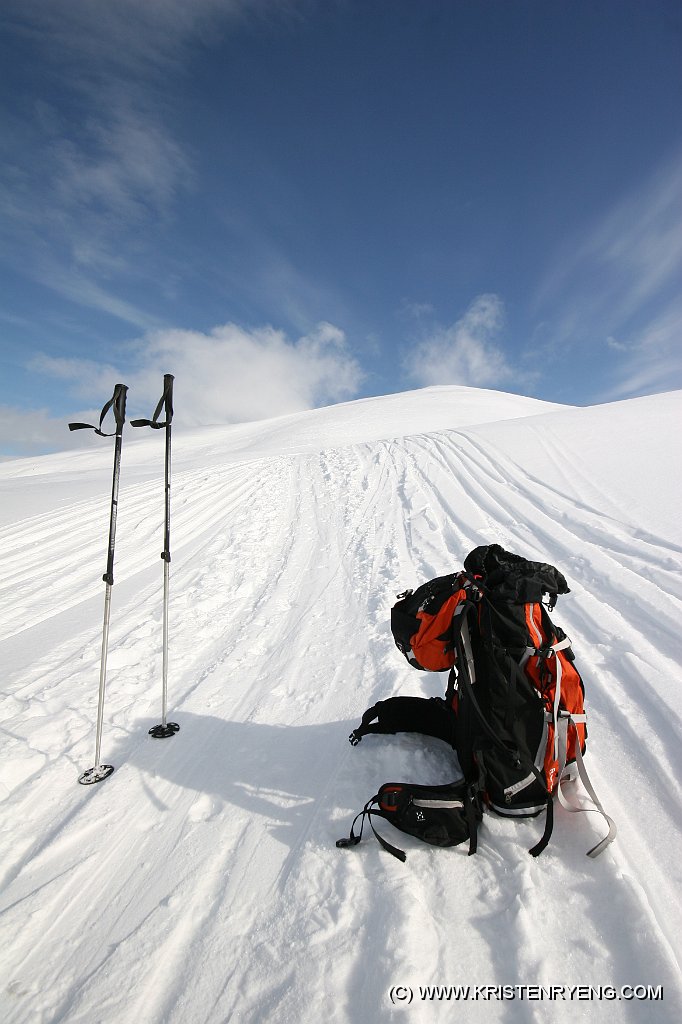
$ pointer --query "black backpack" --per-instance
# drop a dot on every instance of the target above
(513, 710)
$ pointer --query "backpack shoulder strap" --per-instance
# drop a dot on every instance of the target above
(429, 716)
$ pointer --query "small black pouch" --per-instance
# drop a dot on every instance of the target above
(439, 815)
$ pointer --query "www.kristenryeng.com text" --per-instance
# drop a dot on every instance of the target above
(406, 994)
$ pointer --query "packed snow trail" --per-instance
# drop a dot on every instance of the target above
(201, 882)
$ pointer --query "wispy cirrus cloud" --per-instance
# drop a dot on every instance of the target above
(652, 362)
(126, 35)
(95, 169)
(616, 288)
(97, 172)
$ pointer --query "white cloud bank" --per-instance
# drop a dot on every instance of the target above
(233, 375)
(464, 353)
(230, 375)
(24, 432)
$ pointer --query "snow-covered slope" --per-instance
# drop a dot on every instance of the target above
(201, 882)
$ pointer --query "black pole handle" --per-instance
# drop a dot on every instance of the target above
(165, 402)
(117, 403)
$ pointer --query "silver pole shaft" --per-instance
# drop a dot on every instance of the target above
(165, 644)
(103, 673)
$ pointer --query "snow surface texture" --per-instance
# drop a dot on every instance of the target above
(201, 882)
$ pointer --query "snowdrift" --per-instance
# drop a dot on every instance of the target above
(201, 882)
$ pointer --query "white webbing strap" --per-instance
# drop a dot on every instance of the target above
(566, 719)
(560, 645)
(544, 652)
(556, 712)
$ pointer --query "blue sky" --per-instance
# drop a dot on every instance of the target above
(289, 203)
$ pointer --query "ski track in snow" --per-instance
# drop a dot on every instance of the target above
(201, 882)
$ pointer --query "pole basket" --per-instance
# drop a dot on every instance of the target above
(162, 732)
(98, 774)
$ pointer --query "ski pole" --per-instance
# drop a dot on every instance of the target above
(118, 404)
(165, 728)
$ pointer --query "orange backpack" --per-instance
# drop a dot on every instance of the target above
(514, 706)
